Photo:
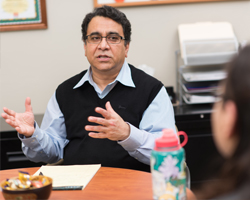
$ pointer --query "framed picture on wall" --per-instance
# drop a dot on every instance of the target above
(22, 15)
(124, 3)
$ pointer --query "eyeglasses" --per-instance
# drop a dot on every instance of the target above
(112, 38)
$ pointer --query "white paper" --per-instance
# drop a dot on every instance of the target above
(69, 175)
(199, 98)
(215, 75)
(21, 9)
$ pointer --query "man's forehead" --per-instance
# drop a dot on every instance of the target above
(107, 33)
(104, 25)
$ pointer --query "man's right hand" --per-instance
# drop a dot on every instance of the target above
(22, 122)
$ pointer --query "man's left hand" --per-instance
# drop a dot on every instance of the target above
(111, 126)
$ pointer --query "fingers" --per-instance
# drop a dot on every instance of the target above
(96, 131)
(98, 135)
(107, 114)
(108, 125)
(8, 112)
(9, 117)
(103, 112)
(109, 107)
(99, 120)
(11, 123)
(28, 107)
(95, 128)
(9, 120)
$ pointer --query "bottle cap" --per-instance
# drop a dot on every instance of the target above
(168, 139)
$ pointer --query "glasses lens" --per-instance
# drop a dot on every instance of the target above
(113, 38)
(95, 39)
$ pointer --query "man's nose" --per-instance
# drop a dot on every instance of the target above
(104, 44)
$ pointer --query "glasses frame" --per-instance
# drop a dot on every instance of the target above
(122, 38)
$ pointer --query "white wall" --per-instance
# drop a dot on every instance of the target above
(34, 62)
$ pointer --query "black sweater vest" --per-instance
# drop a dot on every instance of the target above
(77, 104)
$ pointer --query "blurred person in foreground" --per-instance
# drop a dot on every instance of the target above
(109, 114)
(231, 133)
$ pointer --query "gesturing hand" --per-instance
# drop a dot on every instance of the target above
(22, 122)
(111, 126)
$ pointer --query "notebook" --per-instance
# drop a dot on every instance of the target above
(69, 177)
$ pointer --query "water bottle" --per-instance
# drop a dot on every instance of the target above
(167, 164)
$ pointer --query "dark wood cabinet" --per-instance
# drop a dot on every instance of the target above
(11, 152)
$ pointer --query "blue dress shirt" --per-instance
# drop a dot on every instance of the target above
(48, 141)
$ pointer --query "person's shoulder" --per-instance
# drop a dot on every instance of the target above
(242, 192)
(72, 81)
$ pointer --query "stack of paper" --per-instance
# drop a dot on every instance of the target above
(215, 75)
(192, 99)
(69, 176)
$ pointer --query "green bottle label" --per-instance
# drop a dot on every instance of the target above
(168, 174)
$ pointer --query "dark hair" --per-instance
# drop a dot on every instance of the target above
(235, 172)
(112, 13)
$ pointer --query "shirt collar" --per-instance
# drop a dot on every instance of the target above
(124, 77)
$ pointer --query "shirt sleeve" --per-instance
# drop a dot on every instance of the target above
(159, 115)
(47, 143)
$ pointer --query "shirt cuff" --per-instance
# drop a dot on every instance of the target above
(134, 141)
(33, 141)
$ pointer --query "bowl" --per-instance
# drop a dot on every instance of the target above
(32, 193)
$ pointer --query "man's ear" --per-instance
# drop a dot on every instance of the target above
(84, 45)
(126, 49)
(230, 118)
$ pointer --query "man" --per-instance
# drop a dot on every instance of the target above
(109, 114)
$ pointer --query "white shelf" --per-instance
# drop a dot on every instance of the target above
(197, 84)
(202, 89)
